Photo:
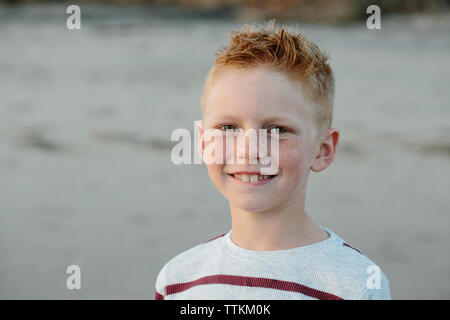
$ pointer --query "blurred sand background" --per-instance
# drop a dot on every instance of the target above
(85, 170)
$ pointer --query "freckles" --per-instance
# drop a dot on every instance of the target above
(293, 161)
(215, 150)
(291, 155)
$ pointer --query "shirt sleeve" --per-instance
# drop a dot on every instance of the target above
(160, 285)
(378, 293)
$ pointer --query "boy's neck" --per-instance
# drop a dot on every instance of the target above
(284, 229)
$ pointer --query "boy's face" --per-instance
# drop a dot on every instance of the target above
(260, 98)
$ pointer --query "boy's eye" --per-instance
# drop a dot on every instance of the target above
(228, 127)
(278, 129)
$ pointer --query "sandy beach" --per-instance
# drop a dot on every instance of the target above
(85, 171)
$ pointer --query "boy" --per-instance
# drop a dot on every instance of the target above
(279, 82)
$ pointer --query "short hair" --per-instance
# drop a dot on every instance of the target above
(283, 51)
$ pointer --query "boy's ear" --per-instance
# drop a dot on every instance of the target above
(200, 143)
(327, 150)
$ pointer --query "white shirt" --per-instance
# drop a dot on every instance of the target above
(221, 270)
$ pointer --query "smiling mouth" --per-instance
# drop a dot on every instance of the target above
(252, 178)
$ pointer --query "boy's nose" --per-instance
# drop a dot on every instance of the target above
(242, 154)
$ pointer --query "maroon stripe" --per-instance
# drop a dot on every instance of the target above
(216, 237)
(252, 282)
(347, 245)
(158, 296)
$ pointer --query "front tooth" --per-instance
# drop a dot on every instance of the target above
(254, 178)
(245, 178)
(260, 177)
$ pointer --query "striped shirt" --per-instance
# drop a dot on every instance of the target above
(221, 270)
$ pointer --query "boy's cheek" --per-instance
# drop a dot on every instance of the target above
(215, 172)
(290, 155)
(214, 151)
(294, 160)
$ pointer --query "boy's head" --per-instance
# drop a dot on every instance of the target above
(265, 79)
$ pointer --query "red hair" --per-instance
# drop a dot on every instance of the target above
(283, 51)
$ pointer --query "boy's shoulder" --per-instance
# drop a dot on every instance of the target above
(199, 252)
(185, 265)
(191, 258)
(353, 266)
(345, 254)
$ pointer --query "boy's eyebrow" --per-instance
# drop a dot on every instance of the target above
(290, 119)
(286, 117)
(224, 117)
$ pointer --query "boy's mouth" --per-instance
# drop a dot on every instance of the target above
(253, 178)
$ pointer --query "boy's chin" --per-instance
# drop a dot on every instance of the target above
(251, 204)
